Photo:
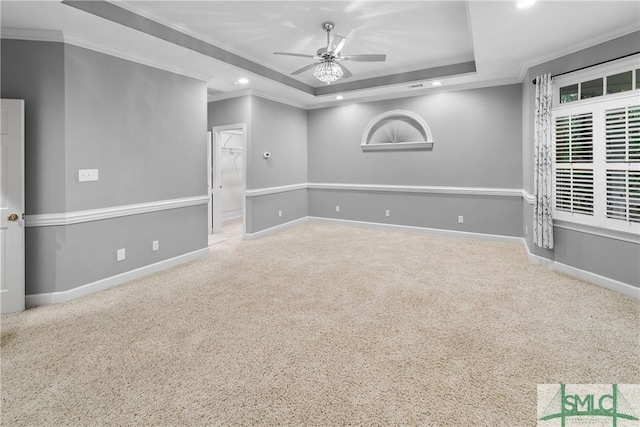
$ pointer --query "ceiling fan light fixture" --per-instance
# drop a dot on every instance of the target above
(328, 72)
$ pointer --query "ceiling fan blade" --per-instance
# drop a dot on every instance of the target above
(302, 55)
(303, 69)
(336, 44)
(367, 57)
(345, 73)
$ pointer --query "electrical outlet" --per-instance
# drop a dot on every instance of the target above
(526, 229)
(460, 219)
(337, 208)
(386, 212)
(155, 245)
(279, 214)
(87, 175)
(120, 255)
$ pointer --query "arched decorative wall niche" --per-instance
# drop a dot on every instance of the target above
(397, 130)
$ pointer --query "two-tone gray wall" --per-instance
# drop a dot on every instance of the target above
(142, 128)
(476, 156)
(588, 249)
(280, 130)
(477, 150)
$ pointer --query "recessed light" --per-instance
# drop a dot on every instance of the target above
(524, 3)
(243, 81)
(339, 97)
(436, 83)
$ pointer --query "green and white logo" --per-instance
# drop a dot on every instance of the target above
(594, 405)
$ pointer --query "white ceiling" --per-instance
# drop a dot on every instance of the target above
(254, 30)
(415, 35)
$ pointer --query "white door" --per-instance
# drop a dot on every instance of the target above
(11, 205)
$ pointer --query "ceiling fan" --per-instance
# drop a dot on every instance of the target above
(328, 68)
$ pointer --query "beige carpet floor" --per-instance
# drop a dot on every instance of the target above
(321, 324)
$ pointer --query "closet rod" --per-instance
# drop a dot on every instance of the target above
(589, 66)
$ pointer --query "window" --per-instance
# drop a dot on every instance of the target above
(397, 130)
(614, 83)
(596, 136)
(591, 89)
(621, 82)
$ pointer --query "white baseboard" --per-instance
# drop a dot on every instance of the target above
(436, 231)
(587, 276)
(109, 282)
(273, 230)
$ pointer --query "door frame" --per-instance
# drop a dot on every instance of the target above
(215, 174)
(210, 182)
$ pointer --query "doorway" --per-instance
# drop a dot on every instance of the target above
(227, 183)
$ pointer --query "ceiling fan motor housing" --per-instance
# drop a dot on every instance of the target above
(328, 26)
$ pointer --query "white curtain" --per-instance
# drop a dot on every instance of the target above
(543, 164)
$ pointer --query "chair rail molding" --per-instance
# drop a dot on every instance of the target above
(68, 218)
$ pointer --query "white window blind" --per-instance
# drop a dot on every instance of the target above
(623, 152)
(574, 163)
(623, 134)
(597, 162)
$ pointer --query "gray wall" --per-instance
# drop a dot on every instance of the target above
(476, 137)
(281, 130)
(477, 143)
(65, 257)
(605, 256)
(34, 71)
(482, 214)
(262, 211)
(229, 112)
(143, 128)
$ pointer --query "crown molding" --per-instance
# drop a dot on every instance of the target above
(603, 38)
(252, 92)
(32, 35)
(57, 36)
(79, 41)
(429, 90)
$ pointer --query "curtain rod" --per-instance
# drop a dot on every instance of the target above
(589, 66)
